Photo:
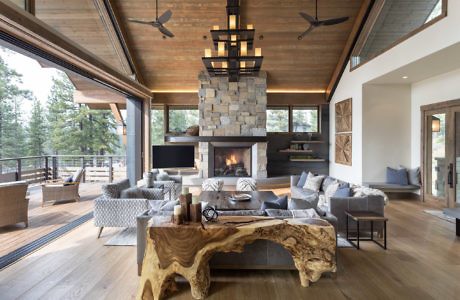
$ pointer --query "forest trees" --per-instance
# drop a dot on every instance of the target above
(59, 127)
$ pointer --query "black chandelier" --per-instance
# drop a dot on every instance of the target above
(232, 45)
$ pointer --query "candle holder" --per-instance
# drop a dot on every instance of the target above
(185, 201)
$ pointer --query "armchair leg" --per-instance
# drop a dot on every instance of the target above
(100, 231)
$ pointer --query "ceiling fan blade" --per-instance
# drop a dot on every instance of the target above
(141, 21)
(165, 31)
(165, 17)
(333, 21)
(307, 17)
(305, 33)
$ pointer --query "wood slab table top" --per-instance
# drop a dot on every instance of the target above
(186, 249)
(222, 202)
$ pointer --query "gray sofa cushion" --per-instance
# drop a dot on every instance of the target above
(326, 182)
(301, 193)
(132, 193)
(302, 179)
(305, 203)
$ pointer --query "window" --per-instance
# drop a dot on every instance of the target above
(392, 22)
(157, 128)
(278, 119)
(304, 119)
(182, 117)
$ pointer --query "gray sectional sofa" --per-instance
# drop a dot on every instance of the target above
(338, 205)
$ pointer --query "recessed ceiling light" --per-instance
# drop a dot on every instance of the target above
(405, 77)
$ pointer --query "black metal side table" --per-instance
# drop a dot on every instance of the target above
(366, 216)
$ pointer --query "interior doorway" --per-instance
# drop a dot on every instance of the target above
(441, 153)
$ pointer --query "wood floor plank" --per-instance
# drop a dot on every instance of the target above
(422, 262)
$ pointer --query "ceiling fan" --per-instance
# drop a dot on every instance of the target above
(158, 22)
(314, 22)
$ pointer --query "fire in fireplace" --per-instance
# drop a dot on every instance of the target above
(232, 161)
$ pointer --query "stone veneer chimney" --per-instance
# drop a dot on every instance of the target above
(233, 109)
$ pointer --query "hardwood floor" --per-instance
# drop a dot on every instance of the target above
(422, 262)
(43, 220)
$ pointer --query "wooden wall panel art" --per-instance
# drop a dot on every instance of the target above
(343, 116)
(343, 149)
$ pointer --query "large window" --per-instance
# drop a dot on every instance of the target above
(157, 128)
(304, 119)
(391, 22)
(181, 117)
(293, 119)
(278, 119)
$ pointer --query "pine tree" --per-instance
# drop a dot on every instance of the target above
(12, 132)
(37, 131)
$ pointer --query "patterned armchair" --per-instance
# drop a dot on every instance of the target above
(120, 204)
(172, 187)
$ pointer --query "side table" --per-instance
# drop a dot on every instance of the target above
(366, 216)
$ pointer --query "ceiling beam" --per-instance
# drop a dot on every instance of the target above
(118, 37)
(19, 27)
(117, 113)
(349, 45)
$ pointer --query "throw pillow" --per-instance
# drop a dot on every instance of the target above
(68, 180)
(331, 190)
(280, 203)
(310, 202)
(155, 172)
(168, 205)
(302, 179)
(326, 182)
(397, 176)
(163, 176)
(313, 182)
(343, 192)
(414, 176)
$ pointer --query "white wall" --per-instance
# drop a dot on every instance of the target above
(441, 88)
(431, 40)
(386, 129)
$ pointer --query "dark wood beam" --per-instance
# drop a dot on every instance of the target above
(20, 27)
(347, 50)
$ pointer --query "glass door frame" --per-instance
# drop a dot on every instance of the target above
(449, 108)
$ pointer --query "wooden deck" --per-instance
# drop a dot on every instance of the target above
(422, 262)
(43, 220)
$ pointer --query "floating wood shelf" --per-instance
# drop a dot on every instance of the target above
(308, 159)
(307, 142)
(295, 151)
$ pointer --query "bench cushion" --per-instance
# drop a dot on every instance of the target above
(393, 187)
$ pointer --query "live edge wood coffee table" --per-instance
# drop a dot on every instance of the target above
(186, 249)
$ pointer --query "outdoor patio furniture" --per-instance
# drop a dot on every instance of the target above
(58, 190)
(13, 203)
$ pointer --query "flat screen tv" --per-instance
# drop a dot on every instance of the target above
(173, 156)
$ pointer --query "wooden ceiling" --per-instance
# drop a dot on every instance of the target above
(173, 64)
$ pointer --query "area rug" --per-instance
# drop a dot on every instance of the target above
(438, 213)
(126, 237)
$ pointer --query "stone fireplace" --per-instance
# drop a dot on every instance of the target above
(237, 111)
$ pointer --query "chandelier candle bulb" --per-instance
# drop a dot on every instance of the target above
(232, 21)
(221, 48)
(258, 52)
(207, 52)
(244, 48)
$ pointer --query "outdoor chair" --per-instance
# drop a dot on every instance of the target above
(14, 203)
(59, 190)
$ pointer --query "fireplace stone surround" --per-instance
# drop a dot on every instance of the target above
(233, 109)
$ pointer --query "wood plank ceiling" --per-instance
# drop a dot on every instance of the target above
(173, 64)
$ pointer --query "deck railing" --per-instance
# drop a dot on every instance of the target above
(37, 169)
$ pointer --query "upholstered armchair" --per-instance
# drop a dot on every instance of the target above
(172, 186)
(120, 204)
(60, 190)
(14, 203)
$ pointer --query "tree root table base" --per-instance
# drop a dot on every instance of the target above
(185, 250)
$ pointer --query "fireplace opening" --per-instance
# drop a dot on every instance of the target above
(232, 161)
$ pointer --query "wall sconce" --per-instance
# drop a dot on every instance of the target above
(435, 124)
